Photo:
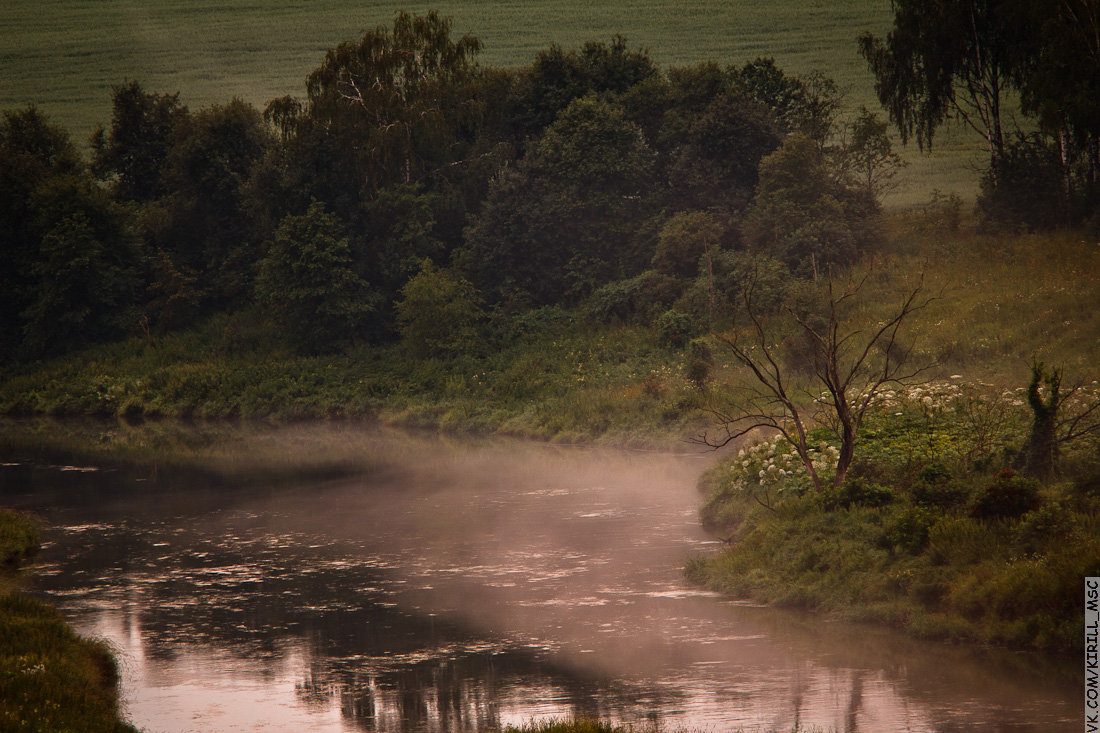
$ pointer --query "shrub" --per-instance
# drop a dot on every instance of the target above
(1040, 527)
(438, 312)
(910, 531)
(624, 301)
(699, 362)
(1023, 191)
(675, 329)
(1007, 496)
(857, 491)
(934, 488)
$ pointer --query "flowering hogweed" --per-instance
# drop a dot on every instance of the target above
(773, 465)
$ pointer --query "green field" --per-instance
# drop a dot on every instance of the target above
(66, 55)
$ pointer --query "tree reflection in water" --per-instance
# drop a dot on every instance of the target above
(437, 586)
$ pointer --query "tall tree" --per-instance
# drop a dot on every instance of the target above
(803, 216)
(209, 167)
(134, 152)
(33, 151)
(394, 104)
(948, 60)
(806, 105)
(565, 221)
(557, 77)
(717, 163)
(1058, 70)
(865, 156)
(306, 283)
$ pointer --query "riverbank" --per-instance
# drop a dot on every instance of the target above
(568, 376)
(919, 561)
(50, 678)
(934, 532)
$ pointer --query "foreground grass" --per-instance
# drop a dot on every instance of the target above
(19, 539)
(50, 678)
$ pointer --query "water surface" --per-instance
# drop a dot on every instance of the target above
(411, 583)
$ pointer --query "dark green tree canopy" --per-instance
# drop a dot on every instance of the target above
(307, 285)
(563, 222)
(557, 77)
(802, 215)
(209, 168)
(717, 164)
(134, 152)
(394, 102)
(805, 105)
(68, 263)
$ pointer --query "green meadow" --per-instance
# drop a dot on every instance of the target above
(65, 56)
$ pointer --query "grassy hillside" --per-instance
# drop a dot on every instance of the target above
(66, 57)
(1002, 301)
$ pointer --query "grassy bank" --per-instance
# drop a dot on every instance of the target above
(50, 678)
(556, 375)
(932, 532)
(560, 381)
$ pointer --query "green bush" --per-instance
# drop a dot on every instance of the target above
(1043, 526)
(1007, 496)
(911, 530)
(698, 363)
(857, 491)
(635, 300)
(676, 329)
(935, 488)
(438, 313)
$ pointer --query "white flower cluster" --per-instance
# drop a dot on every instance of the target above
(775, 464)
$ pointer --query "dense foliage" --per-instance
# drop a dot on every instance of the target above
(941, 526)
(553, 184)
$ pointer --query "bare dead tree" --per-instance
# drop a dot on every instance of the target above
(848, 371)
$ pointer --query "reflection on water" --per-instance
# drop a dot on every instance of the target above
(448, 587)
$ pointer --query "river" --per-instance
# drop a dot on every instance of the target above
(333, 578)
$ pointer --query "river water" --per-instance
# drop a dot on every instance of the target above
(338, 579)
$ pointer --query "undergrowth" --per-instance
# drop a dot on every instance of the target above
(553, 374)
(933, 531)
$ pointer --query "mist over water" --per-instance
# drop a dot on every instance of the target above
(443, 585)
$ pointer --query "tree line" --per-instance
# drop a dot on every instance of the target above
(411, 191)
(969, 62)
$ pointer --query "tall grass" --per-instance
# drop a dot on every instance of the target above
(50, 678)
(19, 538)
